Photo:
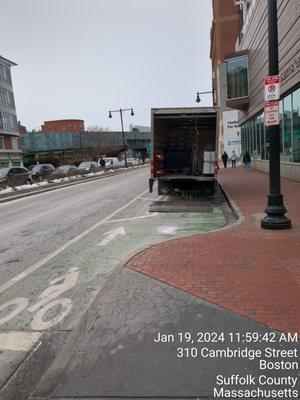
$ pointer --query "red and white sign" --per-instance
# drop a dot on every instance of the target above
(272, 88)
(272, 113)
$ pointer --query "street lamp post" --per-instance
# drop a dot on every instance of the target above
(198, 99)
(121, 110)
(275, 210)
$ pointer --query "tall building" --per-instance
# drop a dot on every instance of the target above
(246, 69)
(226, 26)
(10, 152)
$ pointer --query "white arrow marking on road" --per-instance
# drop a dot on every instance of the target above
(111, 235)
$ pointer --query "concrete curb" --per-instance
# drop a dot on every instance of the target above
(62, 185)
(233, 206)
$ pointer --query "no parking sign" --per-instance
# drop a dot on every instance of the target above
(272, 88)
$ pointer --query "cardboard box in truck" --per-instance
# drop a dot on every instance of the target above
(184, 150)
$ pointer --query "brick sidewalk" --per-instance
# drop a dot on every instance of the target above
(246, 269)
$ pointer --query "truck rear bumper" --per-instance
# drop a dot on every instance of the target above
(168, 185)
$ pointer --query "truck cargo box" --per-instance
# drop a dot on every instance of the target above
(184, 143)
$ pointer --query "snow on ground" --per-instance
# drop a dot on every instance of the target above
(7, 190)
(58, 180)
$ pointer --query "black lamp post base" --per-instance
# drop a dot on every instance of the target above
(275, 218)
(276, 222)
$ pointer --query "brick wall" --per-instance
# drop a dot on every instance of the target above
(64, 125)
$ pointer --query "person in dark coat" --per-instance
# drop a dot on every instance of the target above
(225, 159)
(247, 161)
(102, 163)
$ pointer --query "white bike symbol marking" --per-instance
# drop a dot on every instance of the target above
(48, 299)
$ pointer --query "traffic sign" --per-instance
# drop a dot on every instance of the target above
(272, 113)
(272, 88)
(149, 148)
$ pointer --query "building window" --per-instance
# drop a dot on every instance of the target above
(1, 143)
(261, 119)
(9, 122)
(296, 126)
(5, 73)
(237, 77)
(255, 135)
(7, 98)
(287, 128)
(14, 143)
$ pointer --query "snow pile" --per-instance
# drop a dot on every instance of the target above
(7, 190)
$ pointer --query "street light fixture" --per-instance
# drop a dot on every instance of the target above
(121, 110)
(275, 210)
(198, 99)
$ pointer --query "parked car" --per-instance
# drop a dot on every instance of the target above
(14, 176)
(133, 161)
(112, 162)
(41, 171)
(88, 166)
(66, 170)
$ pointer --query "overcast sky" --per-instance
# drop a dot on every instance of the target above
(80, 58)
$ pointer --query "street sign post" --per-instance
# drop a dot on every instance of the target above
(272, 88)
(272, 113)
(275, 211)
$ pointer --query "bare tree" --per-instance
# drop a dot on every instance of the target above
(97, 128)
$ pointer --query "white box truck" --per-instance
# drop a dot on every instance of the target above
(184, 150)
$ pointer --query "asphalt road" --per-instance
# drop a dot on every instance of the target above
(33, 227)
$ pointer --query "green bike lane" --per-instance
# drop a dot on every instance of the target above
(91, 260)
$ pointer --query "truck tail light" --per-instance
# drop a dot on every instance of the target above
(159, 156)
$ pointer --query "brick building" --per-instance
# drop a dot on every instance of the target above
(226, 27)
(10, 152)
(63, 125)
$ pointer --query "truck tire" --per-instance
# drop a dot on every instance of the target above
(151, 182)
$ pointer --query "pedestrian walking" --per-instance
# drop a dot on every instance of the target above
(225, 159)
(102, 162)
(233, 159)
(247, 161)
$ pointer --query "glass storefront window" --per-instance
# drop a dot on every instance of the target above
(287, 128)
(243, 139)
(281, 130)
(261, 119)
(258, 142)
(255, 135)
(237, 77)
(296, 126)
(248, 137)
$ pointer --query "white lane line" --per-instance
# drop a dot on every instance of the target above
(154, 214)
(18, 341)
(63, 247)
